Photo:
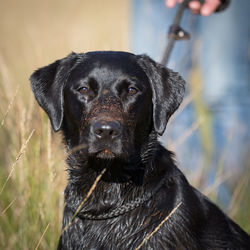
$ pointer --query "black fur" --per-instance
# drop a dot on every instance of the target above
(111, 106)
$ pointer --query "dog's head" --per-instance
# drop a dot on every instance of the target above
(108, 103)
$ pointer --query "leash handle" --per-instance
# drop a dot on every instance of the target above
(176, 32)
(180, 11)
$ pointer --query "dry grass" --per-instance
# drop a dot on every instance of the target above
(148, 236)
(91, 190)
(32, 177)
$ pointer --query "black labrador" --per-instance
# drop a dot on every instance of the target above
(111, 107)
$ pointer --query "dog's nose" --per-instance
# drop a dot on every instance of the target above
(107, 129)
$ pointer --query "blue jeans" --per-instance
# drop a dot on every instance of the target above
(220, 47)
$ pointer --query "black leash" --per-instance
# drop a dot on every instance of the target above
(176, 32)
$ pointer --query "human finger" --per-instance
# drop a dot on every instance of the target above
(195, 7)
(209, 7)
(172, 3)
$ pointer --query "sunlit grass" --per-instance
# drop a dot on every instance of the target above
(32, 158)
(31, 184)
(32, 167)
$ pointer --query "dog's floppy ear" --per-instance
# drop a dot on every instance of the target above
(167, 88)
(47, 84)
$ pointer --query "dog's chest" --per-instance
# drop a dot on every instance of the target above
(123, 232)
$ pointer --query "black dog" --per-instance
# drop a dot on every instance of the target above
(111, 106)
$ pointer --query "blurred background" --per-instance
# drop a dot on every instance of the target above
(32, 168)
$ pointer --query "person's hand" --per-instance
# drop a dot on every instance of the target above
(205, 9)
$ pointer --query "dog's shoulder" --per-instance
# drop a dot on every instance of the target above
(193, 212)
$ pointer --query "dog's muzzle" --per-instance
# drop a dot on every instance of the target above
(106, 135)
(106, 130)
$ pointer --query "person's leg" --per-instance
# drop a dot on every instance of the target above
(149, 26)
(225, 67)
(150, 21)
(226, 93)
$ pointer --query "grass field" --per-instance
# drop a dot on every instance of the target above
(32, 168)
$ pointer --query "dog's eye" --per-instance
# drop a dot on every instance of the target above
(83, 90)
(132, 90)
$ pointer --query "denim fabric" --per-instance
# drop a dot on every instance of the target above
(220, 47)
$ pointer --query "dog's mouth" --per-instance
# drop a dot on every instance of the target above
(105, 154)
(107, 151)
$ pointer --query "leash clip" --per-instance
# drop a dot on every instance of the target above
(178, 33)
